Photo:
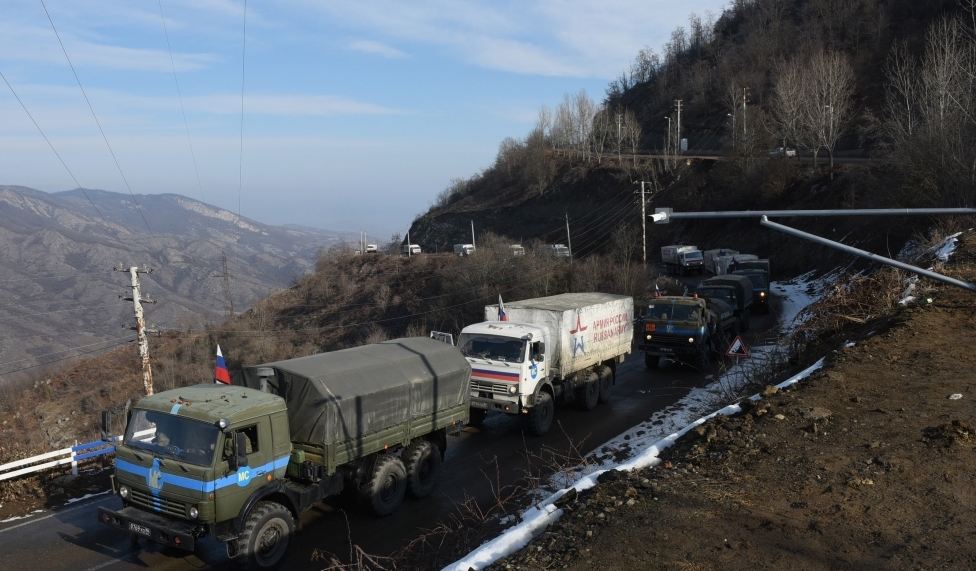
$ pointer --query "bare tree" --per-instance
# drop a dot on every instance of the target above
(632, 132)
(786, 102)
(829, 105)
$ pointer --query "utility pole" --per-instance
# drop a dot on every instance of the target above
(408, 243)
(618, 137)
(745, 91)
(472, 236)
(678, 138)
(569, 240)
(644, 223)
(140, 328)
(667, 153)
(228, 298)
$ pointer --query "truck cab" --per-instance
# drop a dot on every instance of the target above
(464, 249)
(508, 364)
(411, 249)
(196, 456)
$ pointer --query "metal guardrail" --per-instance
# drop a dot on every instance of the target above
(71, 455)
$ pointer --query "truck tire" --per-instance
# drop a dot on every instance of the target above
(267, 534)
(423, 463)
(589, 393)
(383, 491)
(541, 415)
(476, 417)
(652, 361)
(606, 382)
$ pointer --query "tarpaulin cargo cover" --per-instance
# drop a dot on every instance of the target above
(343, 395)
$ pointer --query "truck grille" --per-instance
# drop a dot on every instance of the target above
(489, 387)
(157, 504)
(669, 339)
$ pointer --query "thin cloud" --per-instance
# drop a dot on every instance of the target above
(370, 47)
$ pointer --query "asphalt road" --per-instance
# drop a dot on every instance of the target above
(71, 539)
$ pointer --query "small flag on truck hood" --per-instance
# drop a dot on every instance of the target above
(220, 371)
(502, 316)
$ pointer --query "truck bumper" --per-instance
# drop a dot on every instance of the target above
(664, 350)
(507, 407)
(175, 533)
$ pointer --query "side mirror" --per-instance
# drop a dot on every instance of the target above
(106, 425)
(539, 350)
(239, 458)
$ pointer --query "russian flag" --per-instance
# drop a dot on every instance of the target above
(220, 371)
(657, 291)
(502, 316)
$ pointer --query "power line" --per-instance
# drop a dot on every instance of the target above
(92, 109)
(50, 312)
(81, 188)
(180, 95)
(116, 341)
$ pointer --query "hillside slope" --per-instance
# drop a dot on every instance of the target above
(57, 255)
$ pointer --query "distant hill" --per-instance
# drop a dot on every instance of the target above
(58, 290)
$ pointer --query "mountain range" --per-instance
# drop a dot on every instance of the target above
(59, 295)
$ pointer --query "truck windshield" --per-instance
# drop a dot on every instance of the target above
(492, 347)
(693, 256)
(671, 312)
(719, 293)
(758, 279)
(170, 436)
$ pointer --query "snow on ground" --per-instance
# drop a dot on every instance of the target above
(642, 444)
(15, 518)
(941, 252)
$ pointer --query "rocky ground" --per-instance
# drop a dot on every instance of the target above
(867, 464)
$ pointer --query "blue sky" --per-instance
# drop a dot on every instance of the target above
(356, 114)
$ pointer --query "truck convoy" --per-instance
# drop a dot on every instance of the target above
(685, 327)
(682, 259)
(733, 290)
(241, 463)
(558, 348)
(758, 273)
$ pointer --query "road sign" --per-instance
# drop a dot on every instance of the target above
(738, 349)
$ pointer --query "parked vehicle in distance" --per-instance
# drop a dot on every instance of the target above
(758, 273)
(463, 249)
(733, 290)
(239, 464)
(517, 250)
(411, 249)
(685, 327)
(782, 152)
(559, 348)
(682, 259)
(372, 249)
(558, 250)
(728, 264)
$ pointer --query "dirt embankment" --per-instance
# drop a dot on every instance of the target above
(865, 465)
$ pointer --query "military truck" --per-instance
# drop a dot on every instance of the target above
(561, 348)
(240, 464)
(758, 273)
(733, 290)
(685, 328)
(682, 259)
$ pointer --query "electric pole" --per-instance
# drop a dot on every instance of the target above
(472, 236)
(745, 91)
(569, 241)
(408, 243)
(140, 328)
(618, 137)
(228, 298)
(678, 141)
(644, 223)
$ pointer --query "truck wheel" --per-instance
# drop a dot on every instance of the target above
(383, 492)
(540, 416)
(423, 463)
(606, 383)
(266, 537)
(590, 393)
(651, 361)
(476, 417)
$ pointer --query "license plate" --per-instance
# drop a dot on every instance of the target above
(477, 404)
(141, 530)
(666, 350)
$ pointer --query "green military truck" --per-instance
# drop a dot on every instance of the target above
(758, 273)
(239, 464)
(734, 290)
(684, 327)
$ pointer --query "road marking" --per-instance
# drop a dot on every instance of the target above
(50, 515)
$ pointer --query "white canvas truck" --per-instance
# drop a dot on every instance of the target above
(723, 264)
(682, 259)
(712, 255)
(558, 348)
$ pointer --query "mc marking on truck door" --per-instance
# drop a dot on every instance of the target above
(243, 477)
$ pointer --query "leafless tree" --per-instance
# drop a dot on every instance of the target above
(632, 132)
(829, 105)
(786, 102)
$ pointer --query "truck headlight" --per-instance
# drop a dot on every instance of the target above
(194, 513)
(123, 492)
(648, 337)
(513, 389)
(762, 294)
(691, 339)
